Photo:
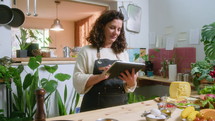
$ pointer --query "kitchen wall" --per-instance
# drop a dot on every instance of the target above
(5, 50)
(60, 38)
(5, 36)
(176, 18)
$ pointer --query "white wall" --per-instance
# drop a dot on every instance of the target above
(180, 16)
(5, 36)
(139, 40)
(5, 50)
(134, 40)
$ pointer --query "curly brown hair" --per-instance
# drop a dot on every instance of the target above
(96, 36)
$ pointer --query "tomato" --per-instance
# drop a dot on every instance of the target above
(197, 119)
(202, 119)
(210, 119)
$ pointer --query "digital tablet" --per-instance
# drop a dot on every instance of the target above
(120, 66)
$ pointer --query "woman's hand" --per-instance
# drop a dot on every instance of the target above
(94, 79)
(129, 78)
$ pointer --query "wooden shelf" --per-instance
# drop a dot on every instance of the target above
(44, 59)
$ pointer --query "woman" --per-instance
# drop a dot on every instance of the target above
(108, 44)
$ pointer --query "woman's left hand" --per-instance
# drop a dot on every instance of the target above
(129, 78)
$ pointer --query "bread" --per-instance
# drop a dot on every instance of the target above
(207, 113)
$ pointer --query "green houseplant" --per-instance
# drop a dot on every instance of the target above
(24, 101)
(25, 34)
(6, 71)
(208, 39)
(35, 36)
(200, 71)
(148, 63)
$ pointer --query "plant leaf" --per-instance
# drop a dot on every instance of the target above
(210, 50)
(51, 86)
(33, 63)
(44, 81)
(65, 94)
(51, 69)
(61, 106)
(62, 77)
(27, 81)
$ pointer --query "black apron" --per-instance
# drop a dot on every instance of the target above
(107, 93)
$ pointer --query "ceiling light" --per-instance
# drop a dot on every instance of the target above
(56, 26)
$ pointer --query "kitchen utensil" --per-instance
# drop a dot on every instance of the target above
(28, 11)
(6, 14)
(153, 119)
(66, 51)
(124, 12)
(18, 18)
(35, 8)
(134, 21)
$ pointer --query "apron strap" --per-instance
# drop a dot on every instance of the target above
(99, 55)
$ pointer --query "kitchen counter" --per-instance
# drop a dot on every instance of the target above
(129, 112)
(58, 60)
(144, 81)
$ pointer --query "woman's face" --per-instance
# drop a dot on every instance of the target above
(112, 31)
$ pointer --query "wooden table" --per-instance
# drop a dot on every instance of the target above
(129, 112)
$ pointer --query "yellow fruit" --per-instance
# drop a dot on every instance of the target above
(187, 111)
(192, 115)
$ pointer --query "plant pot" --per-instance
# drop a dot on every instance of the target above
(204, 81)
(32, 47)
(172, 68)
(149, 66)
(21, 53)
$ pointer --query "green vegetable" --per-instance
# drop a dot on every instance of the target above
(208, 90)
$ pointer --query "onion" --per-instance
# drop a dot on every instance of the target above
(210, 95)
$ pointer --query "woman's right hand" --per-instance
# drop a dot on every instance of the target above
(94, 79)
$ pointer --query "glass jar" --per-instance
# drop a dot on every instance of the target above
(45, 52)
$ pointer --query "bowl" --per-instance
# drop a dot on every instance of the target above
(154, 119)
(170, 106)
(106, 119)
(145, 114)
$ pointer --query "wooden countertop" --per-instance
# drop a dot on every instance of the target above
(144, 80)
(129, 112)
(58, 60)
(44, 59)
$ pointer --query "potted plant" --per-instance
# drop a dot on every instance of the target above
(148, 63)
(24, 98)
(25, 34)
(6, 71)
(201, 72)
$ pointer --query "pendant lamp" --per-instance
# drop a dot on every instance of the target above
(56, 26)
